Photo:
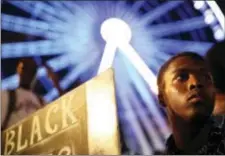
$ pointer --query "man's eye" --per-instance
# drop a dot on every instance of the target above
(182, 77)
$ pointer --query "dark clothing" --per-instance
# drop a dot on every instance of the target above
(220, 120)
(215, 58)
(215, 144)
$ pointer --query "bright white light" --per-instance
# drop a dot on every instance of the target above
(101, 114)
(218, 13)
(199, 4)
(219, 34)
(209, 17)
(116, 30)
(117, 33)
(108, 56)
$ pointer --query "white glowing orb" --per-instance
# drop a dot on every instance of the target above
(116, 30)
(219, 34)
(199, 4)
(209, 17)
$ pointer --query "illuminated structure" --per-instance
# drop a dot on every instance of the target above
(159, 30)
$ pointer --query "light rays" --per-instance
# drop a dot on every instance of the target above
(174, 46)
(144, 92)
(120, 10)
(152, 133)
(145, 149)
(159, 11)
(70, 78)
(36, 10)
(64, 13)
(108, 57)
(33, 48)
(137, 5)
(140, 65)
(177, 27)
(29, 26)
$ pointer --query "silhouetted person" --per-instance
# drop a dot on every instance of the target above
(19, 103)
(187, 92)
(27, 70)
(216, 60)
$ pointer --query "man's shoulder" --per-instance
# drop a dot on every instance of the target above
(217, 139)
(220, 121)
(214, 145)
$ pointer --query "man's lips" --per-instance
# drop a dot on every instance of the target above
(195, 97)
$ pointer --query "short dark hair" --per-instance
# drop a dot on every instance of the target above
(167, 63)
(29, 64)
(215, 59)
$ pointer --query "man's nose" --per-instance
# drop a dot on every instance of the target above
(194, 82)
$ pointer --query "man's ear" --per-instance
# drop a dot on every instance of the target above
(161, 100)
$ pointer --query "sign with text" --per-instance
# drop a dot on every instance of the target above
(83, 121)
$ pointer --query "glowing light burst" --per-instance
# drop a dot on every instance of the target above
(71, 29)
(115, 32)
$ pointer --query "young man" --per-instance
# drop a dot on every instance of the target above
(187, 92)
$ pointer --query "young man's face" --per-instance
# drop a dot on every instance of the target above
(189, 92)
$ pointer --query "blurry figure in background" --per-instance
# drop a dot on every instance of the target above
(19, 103)
(216, 60)
(16, 105)
(27, 71)
(187, 92)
